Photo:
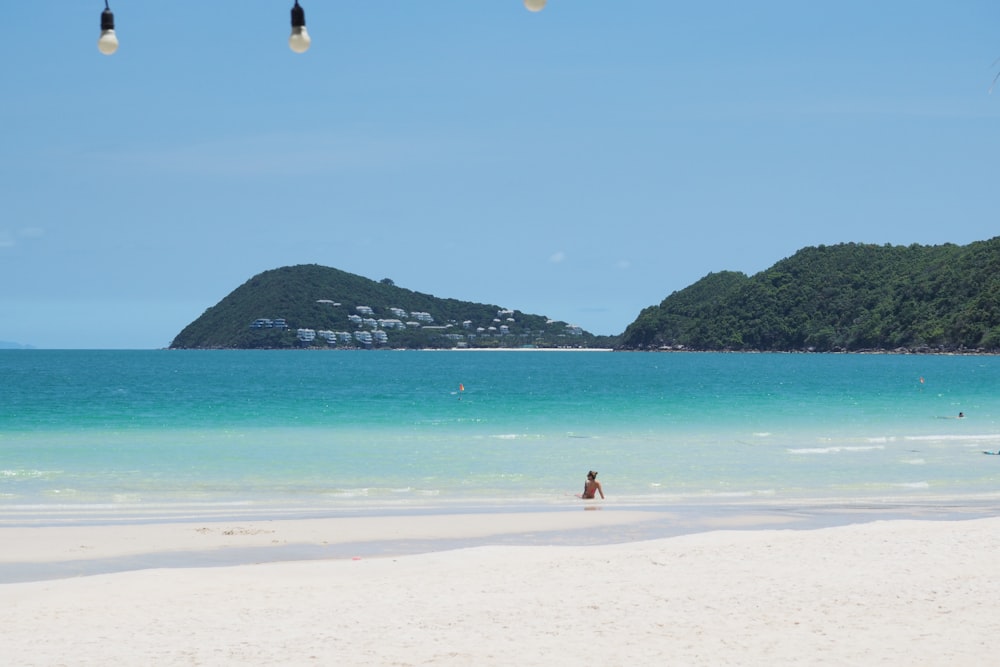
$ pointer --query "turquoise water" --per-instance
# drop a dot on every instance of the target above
(163, 433)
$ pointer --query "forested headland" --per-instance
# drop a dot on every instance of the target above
(849, 297)
(312, 306)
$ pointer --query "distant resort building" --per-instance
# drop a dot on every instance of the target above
(366, 330)
(266, 323)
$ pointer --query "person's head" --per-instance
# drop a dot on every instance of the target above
(592, 474)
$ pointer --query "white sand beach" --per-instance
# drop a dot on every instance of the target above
(889, 592)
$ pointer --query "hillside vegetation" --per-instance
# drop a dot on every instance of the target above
(848, 297)
(323, 300)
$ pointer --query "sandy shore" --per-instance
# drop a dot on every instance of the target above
(888, 592)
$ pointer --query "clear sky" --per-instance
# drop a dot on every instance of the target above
(582, 162)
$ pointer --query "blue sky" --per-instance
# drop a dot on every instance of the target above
(582, 162)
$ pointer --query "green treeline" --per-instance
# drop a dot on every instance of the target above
(847, 297)
(324, 299)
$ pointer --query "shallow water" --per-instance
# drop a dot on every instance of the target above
(156, 435)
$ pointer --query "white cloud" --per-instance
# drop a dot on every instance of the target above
(558, 257)
(9, 239)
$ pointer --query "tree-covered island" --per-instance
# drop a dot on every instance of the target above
(850, 297)
(312, 306)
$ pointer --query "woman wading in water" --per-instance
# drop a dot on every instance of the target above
(592, 486)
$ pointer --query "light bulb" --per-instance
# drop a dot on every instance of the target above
(299, 40)
(535, 5)
(108, 42)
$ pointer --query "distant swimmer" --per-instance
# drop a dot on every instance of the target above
(961, 415)
(592, 486)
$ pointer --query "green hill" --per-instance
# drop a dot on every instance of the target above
(848, 297)
(269, 310)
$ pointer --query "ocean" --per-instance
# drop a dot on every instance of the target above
(163, 435)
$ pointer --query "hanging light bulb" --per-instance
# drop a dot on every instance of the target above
(299, 40)
(108, 42)
(535, 5)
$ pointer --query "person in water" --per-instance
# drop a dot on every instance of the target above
(592, 486)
